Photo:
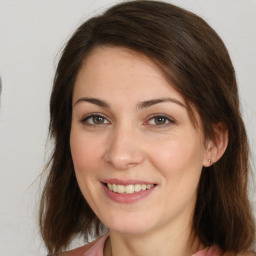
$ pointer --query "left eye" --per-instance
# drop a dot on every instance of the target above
(95, 120)
(160, 120)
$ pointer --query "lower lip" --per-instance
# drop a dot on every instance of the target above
(127, 198)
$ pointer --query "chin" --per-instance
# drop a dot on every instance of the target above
(130, 230)
(129, 224)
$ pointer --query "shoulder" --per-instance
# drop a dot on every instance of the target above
(79, 251)
(215, 251)
(91, 248)
(246, 253)
(249, 253)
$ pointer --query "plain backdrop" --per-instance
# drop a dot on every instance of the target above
(32, 34)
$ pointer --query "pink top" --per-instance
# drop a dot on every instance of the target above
(95, 248)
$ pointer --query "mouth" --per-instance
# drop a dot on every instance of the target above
(128, 189)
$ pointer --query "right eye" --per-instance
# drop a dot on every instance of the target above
(95, 119)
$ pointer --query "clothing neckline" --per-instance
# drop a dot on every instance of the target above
(97, 248)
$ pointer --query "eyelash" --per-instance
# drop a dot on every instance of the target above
(152, 117)
(85, 120)
(167, 118)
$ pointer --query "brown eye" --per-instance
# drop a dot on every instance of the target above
(159, 120)
(95, 120)
(98, 119)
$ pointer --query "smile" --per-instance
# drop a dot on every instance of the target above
(128, 189)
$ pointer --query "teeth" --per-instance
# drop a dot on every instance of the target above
(120, 189)
(137, 187)
(114, 187)
(128, 189)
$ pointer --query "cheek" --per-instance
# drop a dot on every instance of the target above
(179, 153)
(85, 152)
(179, 161)
(180, 165)
(85, 155)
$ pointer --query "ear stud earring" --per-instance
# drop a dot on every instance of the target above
(210, 161)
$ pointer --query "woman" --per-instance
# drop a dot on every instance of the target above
(149, 140)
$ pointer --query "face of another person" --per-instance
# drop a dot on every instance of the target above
(137, 156)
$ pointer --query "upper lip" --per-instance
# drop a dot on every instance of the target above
(126, 182)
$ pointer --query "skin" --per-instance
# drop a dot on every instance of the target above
(128, 142)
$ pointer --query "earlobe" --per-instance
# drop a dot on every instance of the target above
(216, 147)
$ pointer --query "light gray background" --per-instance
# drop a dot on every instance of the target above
(32, 33)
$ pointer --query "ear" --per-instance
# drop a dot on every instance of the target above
(216, 147)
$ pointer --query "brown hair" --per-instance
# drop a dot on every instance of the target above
(195, 60)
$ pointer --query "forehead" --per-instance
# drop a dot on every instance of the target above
(120, 70)
(119, 75)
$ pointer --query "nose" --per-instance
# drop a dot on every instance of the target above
(125, 149)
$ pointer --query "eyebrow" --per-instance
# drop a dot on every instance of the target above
(141, 105)
(95, 101)
(149, 103)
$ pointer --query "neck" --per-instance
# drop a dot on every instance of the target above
(179, 243)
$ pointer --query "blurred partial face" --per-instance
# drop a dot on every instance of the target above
(136, 154)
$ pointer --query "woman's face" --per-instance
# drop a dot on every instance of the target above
(131, 132)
